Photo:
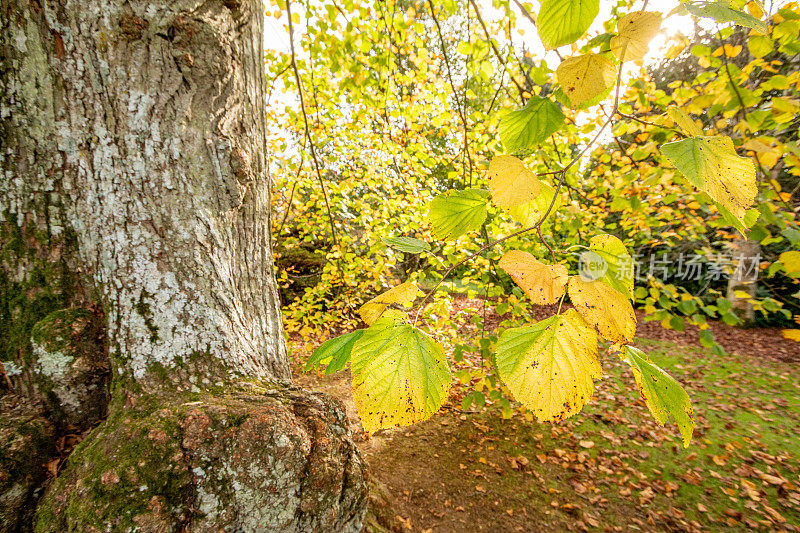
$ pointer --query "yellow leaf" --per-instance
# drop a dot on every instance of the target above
(605, 308)
(636, 30)
(511, 183)
(544, 284)
(770, 159)
(754, 9)
(530, 213)
(791, 262)
(791, 334)
(403, 294)
(549, 367)
(586, 76)
(684, 121)
(399, 375)
(730, 51)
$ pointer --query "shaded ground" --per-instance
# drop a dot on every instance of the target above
(611, 467)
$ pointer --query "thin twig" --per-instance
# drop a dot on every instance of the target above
(497, 52)
(536, 226)
(541, 238)
(461, 106)
(646, 123)
(291, 195)
(533, 21)
(305, 120)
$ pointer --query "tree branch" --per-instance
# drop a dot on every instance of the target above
(497, 52)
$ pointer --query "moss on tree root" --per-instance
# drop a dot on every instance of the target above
(255, 459)
(49, 284)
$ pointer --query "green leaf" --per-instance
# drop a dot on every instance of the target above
(792, 234)
(549, 367)
(407, 244)
(400, 376)
(563, 22)
(334, 352)
(525, 128)
(712, 165)
(724, 11)
(619, 263)
(454, 213)
(707, 338)
(760, 45)
(750, 217)
(664, 396)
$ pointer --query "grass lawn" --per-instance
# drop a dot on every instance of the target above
(611, 467)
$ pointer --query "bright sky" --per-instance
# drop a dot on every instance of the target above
(276, 35)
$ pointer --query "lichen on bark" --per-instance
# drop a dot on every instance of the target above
(70, 366)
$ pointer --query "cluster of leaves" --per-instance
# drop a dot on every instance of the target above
(724, 80)
(400, 375)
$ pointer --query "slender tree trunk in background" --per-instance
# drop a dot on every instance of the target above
(135, 187)
(746, 255)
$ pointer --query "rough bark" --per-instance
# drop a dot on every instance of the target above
(148, 118)
(257, 459)
(26, 441)
(134, 177)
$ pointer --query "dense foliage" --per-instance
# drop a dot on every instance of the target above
(428, 144)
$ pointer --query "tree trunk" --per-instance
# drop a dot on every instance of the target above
(743, 282)
(133, 143)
